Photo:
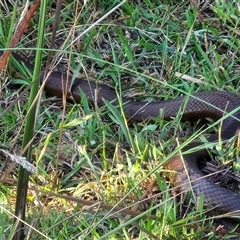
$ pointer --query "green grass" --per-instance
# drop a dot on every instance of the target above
(93, 154)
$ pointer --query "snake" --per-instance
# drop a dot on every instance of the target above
(184, 172)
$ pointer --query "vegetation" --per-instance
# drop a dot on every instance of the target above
(149, 50)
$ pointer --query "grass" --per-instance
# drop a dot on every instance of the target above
(92, 154)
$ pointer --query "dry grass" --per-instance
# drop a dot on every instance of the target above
(146, 50)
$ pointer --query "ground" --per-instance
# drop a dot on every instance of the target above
(93, 167)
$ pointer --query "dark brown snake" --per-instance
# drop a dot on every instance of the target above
(212, 104)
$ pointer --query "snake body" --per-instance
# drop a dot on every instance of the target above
(212, 104)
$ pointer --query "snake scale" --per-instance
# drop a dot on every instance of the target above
(211, 104)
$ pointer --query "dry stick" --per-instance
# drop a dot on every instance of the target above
(113, 209)
(64, 89)
(54, 32)
(20, 30)
(126, 210)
